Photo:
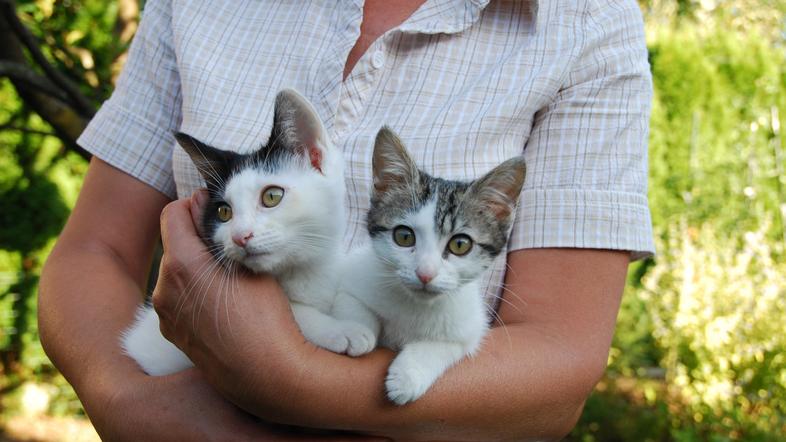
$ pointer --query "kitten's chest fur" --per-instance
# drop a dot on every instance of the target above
(313, 283)
(459, 316)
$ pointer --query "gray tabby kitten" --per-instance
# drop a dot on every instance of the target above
(416, 287)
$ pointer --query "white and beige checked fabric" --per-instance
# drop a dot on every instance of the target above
(466, 84)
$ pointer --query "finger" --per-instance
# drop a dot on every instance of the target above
(198, 205)
(178, 234)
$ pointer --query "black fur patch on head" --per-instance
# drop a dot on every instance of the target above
(217, 167)
(296, 129)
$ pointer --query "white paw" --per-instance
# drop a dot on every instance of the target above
(334, 340)
(346, 338)
(405, 382)
(361, 339)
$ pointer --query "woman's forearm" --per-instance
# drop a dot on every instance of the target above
(536, 392)
(85, 301)
(94, 277)
(529, 380)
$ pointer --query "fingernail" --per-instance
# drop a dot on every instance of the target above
(198, 197)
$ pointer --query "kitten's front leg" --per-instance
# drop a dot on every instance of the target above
(364, 339)
(417, 366)
(324, 330)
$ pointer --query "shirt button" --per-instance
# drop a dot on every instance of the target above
(378, 60)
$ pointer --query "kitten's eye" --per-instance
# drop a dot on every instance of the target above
(460, 245)
(224, 213)
(404, 236)
(271, 196)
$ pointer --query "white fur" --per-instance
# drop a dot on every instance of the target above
(297, 241)
(432, 325)
(144, 342)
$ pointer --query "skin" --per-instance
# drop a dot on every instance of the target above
(378, 17)
(529, 381)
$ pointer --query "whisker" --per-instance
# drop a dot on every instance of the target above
(504, 326)
(509, 292)
(502, 299)
(202, 272)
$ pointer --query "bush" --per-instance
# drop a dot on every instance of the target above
(717, 314)
(699, 352)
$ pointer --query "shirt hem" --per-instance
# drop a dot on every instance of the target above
(587, 219)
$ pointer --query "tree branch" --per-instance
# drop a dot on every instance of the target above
(67, 122)
(21, 73)
(127, 17)
(82, 104)
(26, 130)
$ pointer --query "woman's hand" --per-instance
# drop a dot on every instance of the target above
(219, 313)
(178, 407)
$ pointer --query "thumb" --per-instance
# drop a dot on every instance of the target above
(198, 206)
(178, 233)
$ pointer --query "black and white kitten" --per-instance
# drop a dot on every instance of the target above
(279, 210)
(417, 286)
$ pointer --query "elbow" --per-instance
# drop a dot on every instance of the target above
(585, 374)
(565, 420)
(47, 310)
(556, 421)
(558, 410)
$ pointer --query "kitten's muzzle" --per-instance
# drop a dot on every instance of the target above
(242, 238)
(424, 291)
(424, 277)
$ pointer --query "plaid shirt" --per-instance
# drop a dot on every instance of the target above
(466, 84)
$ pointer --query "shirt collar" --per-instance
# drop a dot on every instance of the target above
(451, 16)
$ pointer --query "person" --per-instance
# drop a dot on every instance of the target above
(467, 84)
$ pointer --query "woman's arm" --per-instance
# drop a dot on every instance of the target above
(529, 380)
(586, 185)
(92, 283)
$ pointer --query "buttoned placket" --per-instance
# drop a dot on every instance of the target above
(358, 87)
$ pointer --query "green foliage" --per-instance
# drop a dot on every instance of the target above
(39, 181)
(716, 310)
(81, 40)
(38, 184)
(713, 134)
(699, 350)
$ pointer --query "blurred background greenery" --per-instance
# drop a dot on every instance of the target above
(700, 349)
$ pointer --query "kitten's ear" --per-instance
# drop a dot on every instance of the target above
(498, 191)
(213, 164)
(298, 128)
(391, 164)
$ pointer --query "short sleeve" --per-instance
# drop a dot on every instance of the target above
(586, 183)
(133, 130)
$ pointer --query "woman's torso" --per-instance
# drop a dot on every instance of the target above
(460, 82)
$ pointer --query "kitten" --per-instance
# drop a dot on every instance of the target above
(279, 210)
(417, 286)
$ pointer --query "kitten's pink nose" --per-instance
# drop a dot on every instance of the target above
(241, 239)
(424, 277)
